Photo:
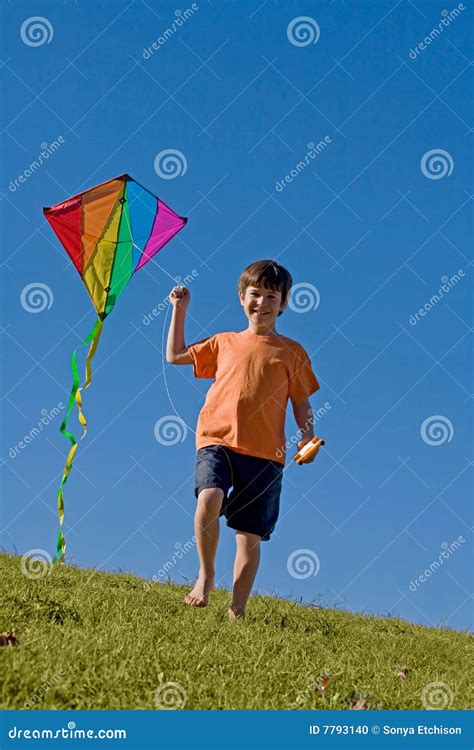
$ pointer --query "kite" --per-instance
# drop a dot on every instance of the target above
(109, 231)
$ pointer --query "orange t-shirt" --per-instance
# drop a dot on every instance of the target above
(245, 407)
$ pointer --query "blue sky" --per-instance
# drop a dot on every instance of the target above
(370, 227)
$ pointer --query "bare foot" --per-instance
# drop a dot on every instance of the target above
(236, 613)
(199, 596)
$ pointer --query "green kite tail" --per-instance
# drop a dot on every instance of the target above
(75, 396)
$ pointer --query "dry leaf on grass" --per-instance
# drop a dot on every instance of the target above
(359, 705)
(8, 639)
(323, 682)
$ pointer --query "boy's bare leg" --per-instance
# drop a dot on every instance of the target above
(206, 529)
(246, 563)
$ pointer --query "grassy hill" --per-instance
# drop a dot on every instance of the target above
(93, 640)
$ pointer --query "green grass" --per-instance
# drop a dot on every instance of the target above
(93, 640)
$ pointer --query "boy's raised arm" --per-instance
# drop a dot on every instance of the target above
(176, 349)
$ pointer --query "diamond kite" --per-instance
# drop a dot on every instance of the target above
(109, 231)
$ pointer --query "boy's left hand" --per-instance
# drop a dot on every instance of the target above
(301, 444)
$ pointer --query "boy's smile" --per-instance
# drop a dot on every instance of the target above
(261, 306)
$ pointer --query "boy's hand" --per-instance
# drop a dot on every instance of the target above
(180, 297)
(301, 444)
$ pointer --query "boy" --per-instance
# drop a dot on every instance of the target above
(240, 437)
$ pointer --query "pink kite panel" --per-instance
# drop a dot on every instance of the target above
(165, 226)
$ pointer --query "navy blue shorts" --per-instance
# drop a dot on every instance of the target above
(254, 502)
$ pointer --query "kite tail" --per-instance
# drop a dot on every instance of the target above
(75, 396)
(97, 330)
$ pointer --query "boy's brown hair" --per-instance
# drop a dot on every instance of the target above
(268, 273)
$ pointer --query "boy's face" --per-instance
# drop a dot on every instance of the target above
(261, 306)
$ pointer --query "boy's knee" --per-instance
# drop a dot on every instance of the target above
(210, 499)
(246, 539)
